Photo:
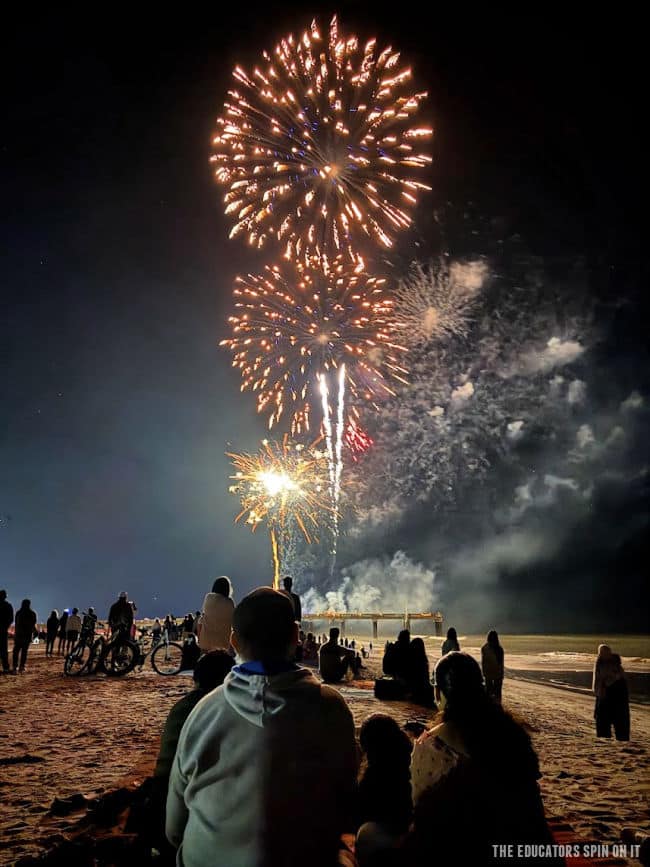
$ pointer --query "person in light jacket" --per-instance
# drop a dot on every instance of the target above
(216, 618)
(252, 748)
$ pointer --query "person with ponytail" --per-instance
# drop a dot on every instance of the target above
(474, 775)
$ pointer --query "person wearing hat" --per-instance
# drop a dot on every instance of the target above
(120, 617)
(250, 750)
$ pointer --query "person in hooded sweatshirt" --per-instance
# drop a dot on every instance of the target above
(216, 619)
(252, 748)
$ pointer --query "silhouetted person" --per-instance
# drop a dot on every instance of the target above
(156, 631)
(417, 677)
(188, 625)
(88, 623)
(287, 583)
(120, 616)
(209, 673)
(396, 657)
(216, 619)
(612, 699)
(63, 622)
(51, 627)
(6, 619)
(72, 630)
(253, 748)
(492, 665)
(474, 776)
(24, 627)
(147, 816)
(334, 659)
(451, 642)
(384, 805)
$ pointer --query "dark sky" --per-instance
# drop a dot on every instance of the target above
(116, 403)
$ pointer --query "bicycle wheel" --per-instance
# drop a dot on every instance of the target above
(167, 658)
(119, 659)
(76, 662)
(96, 654)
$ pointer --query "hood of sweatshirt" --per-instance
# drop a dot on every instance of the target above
(257, 694)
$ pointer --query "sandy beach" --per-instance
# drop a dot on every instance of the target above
(61, 737)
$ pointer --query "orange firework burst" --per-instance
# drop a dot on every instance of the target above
(284, 483)
(318, 149)
(293, 326)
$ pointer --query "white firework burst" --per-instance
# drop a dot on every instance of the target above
(435, 301)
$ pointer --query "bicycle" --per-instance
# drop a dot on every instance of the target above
(115, 657)
(81, 658)
(166, 656)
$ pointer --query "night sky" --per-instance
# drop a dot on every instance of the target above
(116, 403)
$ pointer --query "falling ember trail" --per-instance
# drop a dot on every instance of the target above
(276, 559)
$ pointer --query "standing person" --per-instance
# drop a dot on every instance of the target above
(120, 616)
(474, 776)
(612, 699)
(63, 623)
(23, 634)
(451, 642)
(492, 665)
(252, 748)
(188, 625)
(156, 632)
(6, 619)
(52, 627)
(287, 583)
(72, 630)
(216, 619)
(89, 622)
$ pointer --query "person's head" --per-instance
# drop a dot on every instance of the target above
(604, 651)
(383, 741)
(54, 613)
(459, 682)
(91, 610)
(287, 582)
(418, 649)
(211, 669)
(197, 614)
(310, 636)
(222, 586)
(404, 637)
(75, 611)
(451, 634)
(25, 604)
(334, 634)
(3, 595)
(124, 595)
(264, 628)
(490, 735)
(493, 638)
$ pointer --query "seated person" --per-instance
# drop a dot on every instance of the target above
(252, 749)
(396, 657)
(310, 649)
(209, 673)
(384, 803)
(474, 776)
(334, 659)
(147, 816)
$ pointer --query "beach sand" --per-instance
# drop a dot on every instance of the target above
(64, 736)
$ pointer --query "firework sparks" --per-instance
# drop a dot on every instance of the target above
(318, 148)
(283, 484)
(357, 440)
(435, 301)
(292, 325)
